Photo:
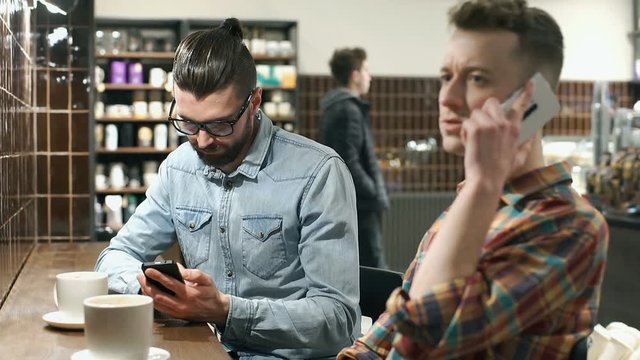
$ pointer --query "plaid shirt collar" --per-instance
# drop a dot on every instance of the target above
(533, 182)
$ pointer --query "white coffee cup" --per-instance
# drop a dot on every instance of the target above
(118, 326)
(71, 288)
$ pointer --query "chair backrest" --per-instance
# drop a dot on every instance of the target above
(375, 287)
(579, 350)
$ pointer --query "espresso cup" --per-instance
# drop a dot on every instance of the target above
(118, 326)
(71, 288)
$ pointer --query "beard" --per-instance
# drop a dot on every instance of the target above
(220, 155)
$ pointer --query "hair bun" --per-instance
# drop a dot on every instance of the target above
(232, 26)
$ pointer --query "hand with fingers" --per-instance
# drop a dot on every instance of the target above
(198, 298)
(490, 138)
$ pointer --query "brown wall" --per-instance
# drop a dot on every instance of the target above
(64, 127)
(17, 160)
(45, 130)
(404, 109)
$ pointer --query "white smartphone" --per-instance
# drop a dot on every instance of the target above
(543, 107)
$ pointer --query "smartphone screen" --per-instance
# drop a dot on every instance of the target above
(543, 107)
(168, 267)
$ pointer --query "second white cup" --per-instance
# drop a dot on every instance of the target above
(118, 326)
(72, 288)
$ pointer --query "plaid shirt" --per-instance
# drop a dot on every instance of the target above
(534, 294)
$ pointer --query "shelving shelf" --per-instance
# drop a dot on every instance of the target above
(108, 86)
(273, 58)
(278, 88)
(134, 150)
(130, 120)
(165, 55)
(125, 190)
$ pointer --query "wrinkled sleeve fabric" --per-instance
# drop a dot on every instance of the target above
(325, 318)
(540, 268)
(513, 289)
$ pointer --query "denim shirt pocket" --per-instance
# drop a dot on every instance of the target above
(263, 248)
(194, 232)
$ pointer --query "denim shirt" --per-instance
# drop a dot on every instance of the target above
(279, 235)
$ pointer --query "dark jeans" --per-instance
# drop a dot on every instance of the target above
(370, 239)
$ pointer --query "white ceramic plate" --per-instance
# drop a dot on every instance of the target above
(154, 354)
(56, 319)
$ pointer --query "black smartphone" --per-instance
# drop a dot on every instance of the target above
(167, 267)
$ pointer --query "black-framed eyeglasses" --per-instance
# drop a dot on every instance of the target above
(216, 128)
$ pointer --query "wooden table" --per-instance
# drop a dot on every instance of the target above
(24, 335)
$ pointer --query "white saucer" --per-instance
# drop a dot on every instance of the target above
(56, 319)
(154, 354)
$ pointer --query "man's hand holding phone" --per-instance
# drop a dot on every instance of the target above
(190, 293)
(163, 272)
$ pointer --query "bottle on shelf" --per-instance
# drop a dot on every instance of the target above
(113, 210)
(160, 136)
(127, 135)
(145, 136)
(140, 105)
(129, 204)
(111, 137)
(156, 105)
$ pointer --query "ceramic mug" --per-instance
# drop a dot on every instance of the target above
(71, 288)
(118, 326)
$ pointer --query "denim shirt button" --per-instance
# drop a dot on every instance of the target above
(228, 185)
(261, 235)
(192, 226)
(222, 229)
(229, 273)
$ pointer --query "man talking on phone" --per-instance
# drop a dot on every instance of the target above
(513, 268)
(266, 219)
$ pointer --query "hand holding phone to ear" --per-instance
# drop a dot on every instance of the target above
(490, 138)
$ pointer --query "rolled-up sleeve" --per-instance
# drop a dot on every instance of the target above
(514, 290)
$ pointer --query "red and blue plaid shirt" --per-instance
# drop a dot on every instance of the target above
(534, 294)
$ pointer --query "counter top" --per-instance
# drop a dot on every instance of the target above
(620, 220)
(24, 335)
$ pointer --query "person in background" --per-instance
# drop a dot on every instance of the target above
(265, 219)
(513, 268)
(346, 127)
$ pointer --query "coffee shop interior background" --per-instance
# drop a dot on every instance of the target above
(84, 101)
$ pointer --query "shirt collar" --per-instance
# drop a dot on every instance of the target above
(252, 163)
(533, 182)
